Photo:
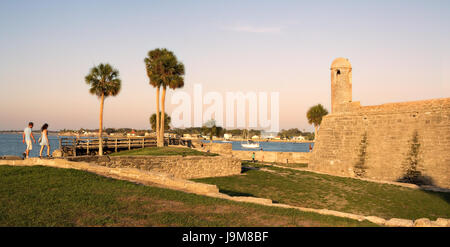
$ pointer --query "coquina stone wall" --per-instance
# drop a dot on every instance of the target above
(384, 142)
(218, 148)
(187, 167)
(279, 157)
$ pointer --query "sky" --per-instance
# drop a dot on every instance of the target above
(399, 51)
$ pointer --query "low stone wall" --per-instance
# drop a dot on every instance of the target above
(217, 148)
(10, 157)
(225, 149)
(187, 167)
(279, 157)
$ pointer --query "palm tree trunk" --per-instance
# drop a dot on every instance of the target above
(100, 130)
(158, 139)
(163, 104)
(315, 131)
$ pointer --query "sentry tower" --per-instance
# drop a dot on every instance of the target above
(341, 84)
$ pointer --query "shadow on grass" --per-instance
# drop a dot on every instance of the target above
(248, 165)
(444, 195)
(245, 169)
(425, 181)
(417, 179)
(235, 193)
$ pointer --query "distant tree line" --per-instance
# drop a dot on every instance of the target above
(219, 132)
(204, 131)
(106, 130)
(293, 132)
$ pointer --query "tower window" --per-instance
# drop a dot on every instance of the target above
(338, 72)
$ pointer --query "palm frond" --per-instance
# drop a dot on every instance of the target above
(104, 80)
(315, 114)
(163, 69)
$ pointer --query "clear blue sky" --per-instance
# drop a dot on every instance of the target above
(400, 51)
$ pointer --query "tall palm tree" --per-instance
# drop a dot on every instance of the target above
(315, 115)
(163, 70)
(104, 81)
(153, 66)
(153, 121)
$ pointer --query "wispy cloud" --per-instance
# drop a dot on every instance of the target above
(253, 29)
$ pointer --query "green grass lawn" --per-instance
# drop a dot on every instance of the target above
(307, 189)
(44, 196)
(163, 151)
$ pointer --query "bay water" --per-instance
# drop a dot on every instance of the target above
(11, 144)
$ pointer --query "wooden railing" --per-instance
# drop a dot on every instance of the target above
(90, 144)
(87, 145)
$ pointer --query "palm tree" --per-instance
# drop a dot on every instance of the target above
(163, 70)
(153, 65)
(153, 121)
(212, 129)
(104, 81)
(315, 115)
(245, 134)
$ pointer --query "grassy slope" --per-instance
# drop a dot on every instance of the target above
(43, 196)
(163, 151)
(289, 165)
(312, 190)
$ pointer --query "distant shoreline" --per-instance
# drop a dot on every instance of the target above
(56, 133)
(14, 132)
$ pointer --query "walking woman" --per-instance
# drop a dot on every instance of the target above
(44, 140)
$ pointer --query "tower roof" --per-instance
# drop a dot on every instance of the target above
(341, 63)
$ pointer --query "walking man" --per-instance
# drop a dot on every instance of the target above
(26, 138)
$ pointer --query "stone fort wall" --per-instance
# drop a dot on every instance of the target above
(377, 141)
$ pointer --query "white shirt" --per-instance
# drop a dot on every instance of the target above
(27, 132)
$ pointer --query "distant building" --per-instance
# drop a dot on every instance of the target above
(191, 136)
(132, 133)
(298, 138)
(88, 133)
(268, 135)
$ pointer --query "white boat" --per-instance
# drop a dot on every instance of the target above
(250, 144)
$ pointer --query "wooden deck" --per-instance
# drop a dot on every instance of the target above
(73, 146)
